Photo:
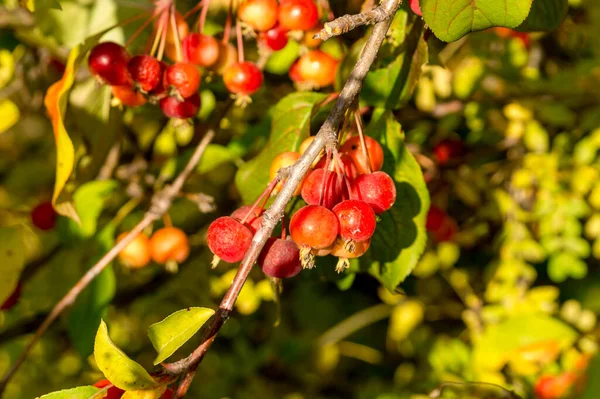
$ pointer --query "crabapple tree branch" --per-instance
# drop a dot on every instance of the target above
(326, 137)
(159, 205)
(346, 23)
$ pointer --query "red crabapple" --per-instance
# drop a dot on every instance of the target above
(184, 77)
(356, 218)
(137, 253)
(260, 15)
(128, 96)
(353, 148)
(43, 216)
(298, 14)
(172, 107)
(228, 239)
(280, 258)
(243, 78)
(108, 62)
(227, 57)
(284, 160)
(448, 150)
(113, 392)
(376, 189)
(415, 6)
(314, 226)
(554, 387)
(146, 72)
(199, 49)
(253, 221)
(317, 67)
(169, 244)
(275, 38)
(345, 250)
(325, 185)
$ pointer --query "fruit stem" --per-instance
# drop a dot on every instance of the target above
(363, 143)
(240, 40)
(176, 33)
(203, 14)
(167, 220)
(324, 180)
(159, 32)
(265, 194)
(283, 229)
(140, 29)
(227, 30)
(194, 9)
(340, 167)
(163, 36)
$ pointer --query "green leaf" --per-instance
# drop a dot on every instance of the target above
(498, 342)
(592, 390)
(289, 127)
(215, 156)
(545, 15)
(169, 334)
(392, 85)
(564, 265)
(117, 367)
(88, 392)
(12, 260)
(400, 237)
(451, 20)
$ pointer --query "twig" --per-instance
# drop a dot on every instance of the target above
(327, 136)
(160, 204)
(354, 323)
(346, 23)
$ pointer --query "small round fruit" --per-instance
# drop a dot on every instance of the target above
(280, 258)
(448, 150)
(446, 231)
(260, 15)
(376, 189)
(294, 73)
(160, 90)
(182, 28)
(318, 68)
(184, 77)
(13, 298)
(128, 96)
(435, 218)
(169, 244)
(314, 226)
(228, 239)
(415, 6)
(227, 57)
(173, 108)
(305, 144)
(168, 394)
(554, 387)
(113, 392)
(342, 250)
(253, 220)
(243, 78)
(309, 41)
(353, 148)
(108, 62)
(283, 160)
(322, 184)
(43, 216)
(357, 220)
(199, 49)
(136, 254)
(145, 71)
(276, 38)
(298, 14)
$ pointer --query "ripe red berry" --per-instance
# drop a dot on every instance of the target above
(228, 239)
(184, 77)
(294, 73)
(448, 150)
(322, 184)
(298, 14)
(280, 258)
(260, 15)
(43, 216)
(199, 49)
(145, 71)
(169, 244)
(113, 392)
(376, 189)
(314, 226)
(108, 62)
(435, 218)
(356, 218)
(168, 394)
(173, 108)
(276, 38)
(137, 253)
(243, 78)
(554, 387)
(353, 148)
(128, 96)
(415, 6)
(13, 298)
(318, 68)
(253, 220)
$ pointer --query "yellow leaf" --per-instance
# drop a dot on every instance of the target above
(56, 104)
(9, 115)
(153, 394)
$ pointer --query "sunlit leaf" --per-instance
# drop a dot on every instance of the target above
(169, 334)
(117, 367)
(75, 393)
(146, 394)
(12, 260)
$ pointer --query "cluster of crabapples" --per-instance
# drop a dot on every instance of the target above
(167, 245)
(344, 191)
(112, 392)
(136, 80)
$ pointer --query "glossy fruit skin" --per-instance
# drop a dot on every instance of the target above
(173, 108)
(298, 14)
(357, 220)
(253, 221)
(128, 96)
(353, 148)
(376, 189)
(554, 387)
(228, 239)
(184, 77)
(243, 78)
(199, 49)
(160, 90)
(415, 6)
(280, 258)
(340, 249)
(13, 298)
(108, 62)
(260, 15)
(309, 41)
(137, 253)
(294, 73)
(318, 68)
(169, 244)
(321, 181)
(113, 392)
(314, 226)
(284, 160)
(448, 150)
(43, 216)
(145, 71)
(275, 38)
